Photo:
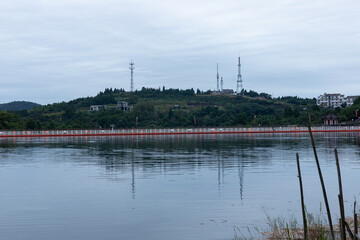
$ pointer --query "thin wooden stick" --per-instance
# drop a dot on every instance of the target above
(340, 227)
(341, 220)
(302, 197)
(355, 222)
(349, 230)
(341, 198)
(322, 182)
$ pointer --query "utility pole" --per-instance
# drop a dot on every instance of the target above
(132, 75)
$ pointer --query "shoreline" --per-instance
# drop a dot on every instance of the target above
(176, 131)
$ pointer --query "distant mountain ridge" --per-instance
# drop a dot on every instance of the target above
(18, 106)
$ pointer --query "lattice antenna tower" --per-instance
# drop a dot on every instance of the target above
(132, 75)
(222, 84)
(217, 77)
(239, 86)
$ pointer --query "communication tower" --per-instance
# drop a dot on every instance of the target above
(217, 77)
(222, 84)
(239, 86)
(132, 75)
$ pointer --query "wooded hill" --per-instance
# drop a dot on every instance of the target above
(167, 108)
(18, 106)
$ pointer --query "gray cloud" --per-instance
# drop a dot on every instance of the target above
(60, 50)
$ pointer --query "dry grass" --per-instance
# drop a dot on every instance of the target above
(288, 229)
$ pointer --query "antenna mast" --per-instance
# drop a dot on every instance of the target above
(217, 77)
(222, 84)
(132, 75)
(239, 86)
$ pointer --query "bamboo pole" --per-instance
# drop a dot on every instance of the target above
(341, 197)
(322, 182)
(349, 230)
(340, 227)
(341, 221)
(355, 223)
(302, 197)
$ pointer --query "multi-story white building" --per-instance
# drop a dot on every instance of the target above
(331, 100)
(121, 105)
(334, 100)
(350, 100)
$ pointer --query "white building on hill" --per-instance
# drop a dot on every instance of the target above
(334, 100)
(350, 100)
(121, 105)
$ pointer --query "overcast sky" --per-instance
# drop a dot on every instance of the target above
(59, 50)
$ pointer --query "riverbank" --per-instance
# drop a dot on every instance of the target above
(317, 228)
(175, 131)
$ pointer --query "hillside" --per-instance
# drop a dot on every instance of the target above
(168, 108)
(18, 106)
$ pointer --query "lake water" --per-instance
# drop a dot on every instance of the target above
(166, 187)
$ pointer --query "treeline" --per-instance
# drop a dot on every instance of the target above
(163, 108)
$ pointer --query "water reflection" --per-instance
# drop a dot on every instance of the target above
(147, 156)
(199, 185)
(241, 177)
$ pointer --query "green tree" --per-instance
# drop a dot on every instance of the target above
(241, 118)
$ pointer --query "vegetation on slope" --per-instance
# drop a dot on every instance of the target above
(158, 108)
(18, 106)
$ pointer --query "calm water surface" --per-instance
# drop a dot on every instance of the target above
(165, 187)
